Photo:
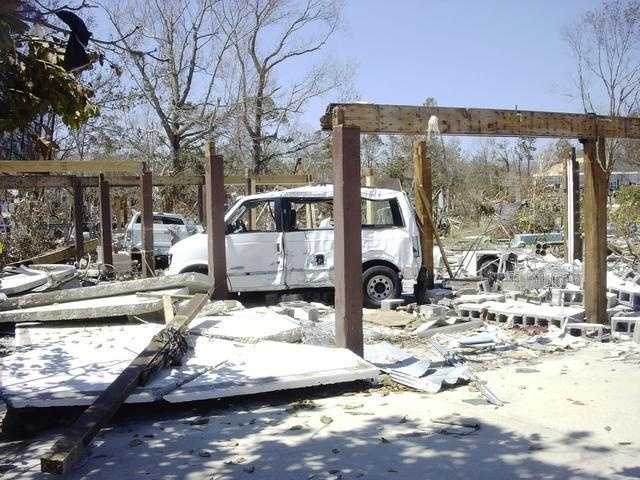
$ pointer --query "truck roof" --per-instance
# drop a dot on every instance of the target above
(326, 191)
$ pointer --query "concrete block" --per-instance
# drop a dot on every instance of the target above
(430, 312)
(582, 329)
(391, 303)
(625, 324)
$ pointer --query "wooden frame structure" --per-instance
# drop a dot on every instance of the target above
(348, 121)
(21, 175)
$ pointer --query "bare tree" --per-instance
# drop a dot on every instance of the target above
(275, 33)
(605, 43)
(176, 60)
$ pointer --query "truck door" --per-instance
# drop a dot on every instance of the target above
(255, 256)
(308, 242)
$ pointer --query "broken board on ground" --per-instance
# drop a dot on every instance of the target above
(117, 306)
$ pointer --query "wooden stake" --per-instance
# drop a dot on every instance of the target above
(200, 202)
(105, 221)
(158, 354)
(146, 193)
(423, 191)
(78, 217)
(348, 239)
(596, 186)
(214, 186)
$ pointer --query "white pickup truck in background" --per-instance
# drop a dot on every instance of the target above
(283, 240)
(168, 229)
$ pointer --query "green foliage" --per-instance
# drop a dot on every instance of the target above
(626, 216)
(540, 209)
(34, 82)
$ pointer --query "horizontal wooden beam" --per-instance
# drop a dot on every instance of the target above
(55, 166)
(411, 120)
(280, 179)
(22, 182)
(59, 254)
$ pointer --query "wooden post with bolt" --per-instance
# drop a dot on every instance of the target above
(146, 200)
(596, 186)
(348, 238)
(216, 256)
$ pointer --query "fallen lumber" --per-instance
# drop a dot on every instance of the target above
(195, 282)
(165, 348)
(59, 254)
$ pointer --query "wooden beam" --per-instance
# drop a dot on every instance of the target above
(25, 182)
(60, 254)
(106, 240)
(22, 182)
(60, 166)
(78, 218)
(161, 351)
(146, 200)
(280, 179)
(214, 186)
(412, 120)
(596, 186)
(200, 204)
(423, 193)
(348, 239)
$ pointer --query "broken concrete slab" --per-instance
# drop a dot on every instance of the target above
(427, 330)
(16, 280)
(116, 306)
(248, 325)
(194, 282)
(388, 318)
(478, 298)
(74, 367)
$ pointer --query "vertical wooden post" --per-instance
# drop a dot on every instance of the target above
(146, 193)
(78, 217)
(200, 203)
(596, 185)
(571, 183)
(214, 187)
(348, 238)
(423, 194)
(105, 220)
(250, 188)
(369, 181)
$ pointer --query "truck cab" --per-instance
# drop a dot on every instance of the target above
(284, 240)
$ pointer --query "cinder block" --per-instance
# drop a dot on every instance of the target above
(581, 329)
(624, 324)
(432, 311)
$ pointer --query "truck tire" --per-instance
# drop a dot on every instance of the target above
(379, 283)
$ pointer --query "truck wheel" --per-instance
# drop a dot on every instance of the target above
(380, 283)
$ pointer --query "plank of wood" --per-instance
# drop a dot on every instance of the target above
(63, 166)
(59, 254)
(69, 448)
(423, 191)
(596, 187)
(411, 120)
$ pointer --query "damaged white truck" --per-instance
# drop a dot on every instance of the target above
(283, 240)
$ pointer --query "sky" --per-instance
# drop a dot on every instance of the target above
(465, 53)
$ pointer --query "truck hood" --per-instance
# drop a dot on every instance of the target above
(188, 243)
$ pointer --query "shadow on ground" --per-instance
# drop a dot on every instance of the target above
(288, 438)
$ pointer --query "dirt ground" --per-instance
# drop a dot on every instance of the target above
(569, 415)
